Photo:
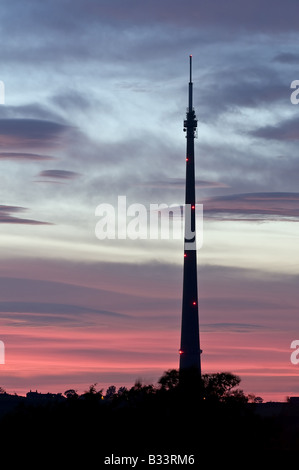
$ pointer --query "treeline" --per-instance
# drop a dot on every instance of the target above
(221, 387)
(158, 419)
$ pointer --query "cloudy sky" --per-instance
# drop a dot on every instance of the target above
(95, 98)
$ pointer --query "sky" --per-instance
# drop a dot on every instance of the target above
(95, 99)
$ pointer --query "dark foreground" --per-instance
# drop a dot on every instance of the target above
(63, 431)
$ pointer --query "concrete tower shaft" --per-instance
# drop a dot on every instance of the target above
(190, 344)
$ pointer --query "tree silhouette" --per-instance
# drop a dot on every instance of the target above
(214, 386)
(169, 380)
(110, 392)
(121, 391)
(71, 394)
(219, 386)
(93, 393)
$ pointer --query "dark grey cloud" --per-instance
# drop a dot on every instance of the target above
(244, 304)
(251, 94)
(287, 58)
(32, 110)
(66, 16)
(31, 133)
(174, 183)
(253, 206)
(257, 165)
(7, 216)
(253, 86)
(59, 174)
(149, 31)
(24, 156)
(70, 100)
(287, 130)
(233, 327)
(41, 313)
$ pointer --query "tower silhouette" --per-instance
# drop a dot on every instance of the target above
(190, 362)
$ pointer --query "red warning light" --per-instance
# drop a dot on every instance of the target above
(192, 207)
(194, 303)
(187, 159)
(185, 255)
(180, 351)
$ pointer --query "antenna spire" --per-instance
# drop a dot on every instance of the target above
(190, 87)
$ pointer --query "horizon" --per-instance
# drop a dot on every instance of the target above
(104, 387)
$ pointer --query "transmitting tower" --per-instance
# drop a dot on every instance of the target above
(190, 363)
